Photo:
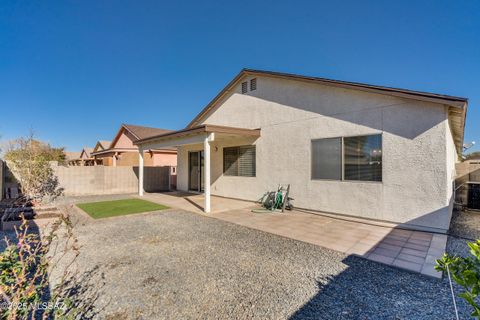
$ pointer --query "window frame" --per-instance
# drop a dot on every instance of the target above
(311, 159)
(238, 148)
(342, 156)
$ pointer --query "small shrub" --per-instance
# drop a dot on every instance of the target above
(29, 160)
(25, 265)
(466, 273)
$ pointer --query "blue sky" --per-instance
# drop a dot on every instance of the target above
(73, 71)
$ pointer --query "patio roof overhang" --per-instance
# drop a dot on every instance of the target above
(196, 135)
(204, 134)
(109, 152)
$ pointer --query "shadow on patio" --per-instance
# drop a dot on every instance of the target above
(194, 202)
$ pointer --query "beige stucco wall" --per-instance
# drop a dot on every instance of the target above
(130, 158)
(417, 155)
(164, 159)
(452, 159)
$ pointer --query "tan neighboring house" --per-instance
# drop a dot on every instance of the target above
(71, 157)
(122, 151)
(350, 149)
(82, 158)
(101, 145)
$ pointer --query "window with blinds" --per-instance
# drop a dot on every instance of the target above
(239, 161)
(349, 158)
(363, 158)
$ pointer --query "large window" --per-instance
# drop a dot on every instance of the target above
(239, 161)
(363, 158)
(350, 158)
(327, 159)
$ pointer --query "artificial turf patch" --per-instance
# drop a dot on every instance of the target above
(105, 209)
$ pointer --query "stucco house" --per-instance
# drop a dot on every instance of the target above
(102, 145)
(122, 151)
(350, 149)
(72, 157)
(82, 158)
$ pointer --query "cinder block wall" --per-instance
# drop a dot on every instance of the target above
(467, 171)
(79, 180)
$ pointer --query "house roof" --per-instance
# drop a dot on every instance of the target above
(141, 132)
(101, 145)
(457, 112)
(138, 132)
(206, 128)
(104, 143)
(112, 151)
(87, 151)
(72, 155)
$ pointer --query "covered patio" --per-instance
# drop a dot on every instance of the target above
(195, 166)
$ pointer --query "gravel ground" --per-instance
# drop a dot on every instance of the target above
(175, 264)
(465, 226)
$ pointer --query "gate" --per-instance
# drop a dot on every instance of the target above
(474, 196)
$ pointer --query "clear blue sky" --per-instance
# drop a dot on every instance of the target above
(74, 70)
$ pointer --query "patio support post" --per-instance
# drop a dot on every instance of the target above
(206, 155)
(114, 159)
(140, 171)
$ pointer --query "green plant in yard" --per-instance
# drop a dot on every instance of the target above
(25, 264)
(29, 161)
(465, 271)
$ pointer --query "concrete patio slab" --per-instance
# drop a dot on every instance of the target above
(406, 249)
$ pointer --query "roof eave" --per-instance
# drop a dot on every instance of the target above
(206, 128)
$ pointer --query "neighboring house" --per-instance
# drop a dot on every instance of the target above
(101, 145)
(72, 157)
(82, 158)
(122, 151)
(346, 148)
(86, 157)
